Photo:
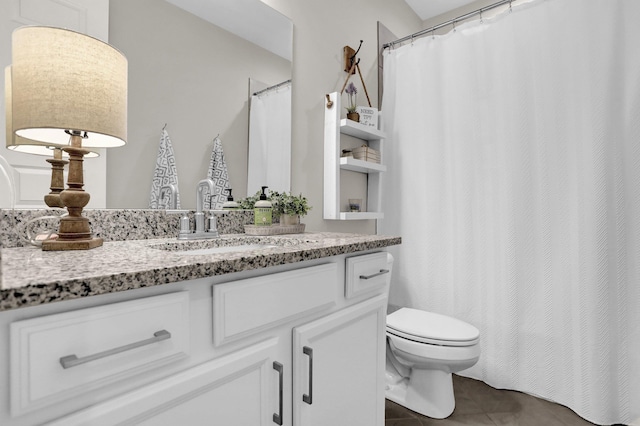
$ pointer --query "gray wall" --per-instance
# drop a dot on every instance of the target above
(192, 75)
(321, 29)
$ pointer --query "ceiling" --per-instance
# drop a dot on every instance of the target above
(255, 21)
(426, 9)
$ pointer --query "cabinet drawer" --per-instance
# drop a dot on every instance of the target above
(367, 273)
(245, 307)
(61, 356)
(231, 390)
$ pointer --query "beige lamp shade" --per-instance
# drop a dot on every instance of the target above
(24, 145)
(61, 81)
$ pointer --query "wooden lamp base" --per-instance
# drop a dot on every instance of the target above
(57, 179)
(57, 245)
(74, 232)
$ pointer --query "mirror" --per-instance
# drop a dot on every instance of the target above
(192, 75)
(190, 62)
(269, 137)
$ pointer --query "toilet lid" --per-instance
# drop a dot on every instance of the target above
(431, 328)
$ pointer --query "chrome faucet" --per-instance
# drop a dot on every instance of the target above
(204, 228)
(199, 215)
(173, 196)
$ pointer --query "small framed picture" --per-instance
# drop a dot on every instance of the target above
(368, 116)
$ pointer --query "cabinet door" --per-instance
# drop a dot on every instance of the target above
(239, 389)
(338, 364)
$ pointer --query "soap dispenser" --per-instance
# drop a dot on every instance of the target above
(262, 210)
(230, 204)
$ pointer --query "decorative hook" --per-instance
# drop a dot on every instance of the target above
(165, 126)
(353, 57)
(217, 136)
(329, 101)
(357, 50)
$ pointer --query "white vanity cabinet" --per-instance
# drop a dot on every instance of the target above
(330, 369)
(287, 345)
(337, 362)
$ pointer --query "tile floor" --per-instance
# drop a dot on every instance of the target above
(478, 404)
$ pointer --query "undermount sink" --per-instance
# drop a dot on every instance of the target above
(227, 245)
(225, 249)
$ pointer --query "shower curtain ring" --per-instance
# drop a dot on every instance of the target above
(454, 26)
(510, 8)
(481, 16)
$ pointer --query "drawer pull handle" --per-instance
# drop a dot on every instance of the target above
(309, 398)
(382, 272)
(277, 417)
(72, 360)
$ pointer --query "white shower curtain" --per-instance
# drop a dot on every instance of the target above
(514, 181)
(270, 141)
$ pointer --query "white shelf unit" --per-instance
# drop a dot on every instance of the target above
(334, 127)
(350, 163)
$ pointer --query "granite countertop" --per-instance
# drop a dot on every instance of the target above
(32, 277)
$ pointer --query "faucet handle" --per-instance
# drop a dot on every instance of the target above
(212, 225)
(185, 225)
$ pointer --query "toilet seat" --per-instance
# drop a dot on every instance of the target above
(431, 328)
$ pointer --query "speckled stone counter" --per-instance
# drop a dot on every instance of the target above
(111, 224)
(32, 277)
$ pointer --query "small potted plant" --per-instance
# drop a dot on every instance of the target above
(249, 202)
(351, 109)
(273, 196)
(287, 208)
(292, 207)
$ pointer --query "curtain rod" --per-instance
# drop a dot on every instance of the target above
(275, 86)
(449, 22)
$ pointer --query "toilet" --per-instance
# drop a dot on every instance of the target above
(423, 349)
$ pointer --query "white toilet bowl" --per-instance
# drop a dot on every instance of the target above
(423, 349)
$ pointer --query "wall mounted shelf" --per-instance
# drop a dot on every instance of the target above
(334, 127)
(350, 163)
(360, 215)
(360, 131)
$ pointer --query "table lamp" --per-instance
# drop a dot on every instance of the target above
(69, 89)
(57, 159)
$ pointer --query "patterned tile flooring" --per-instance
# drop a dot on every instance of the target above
(479, 404)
